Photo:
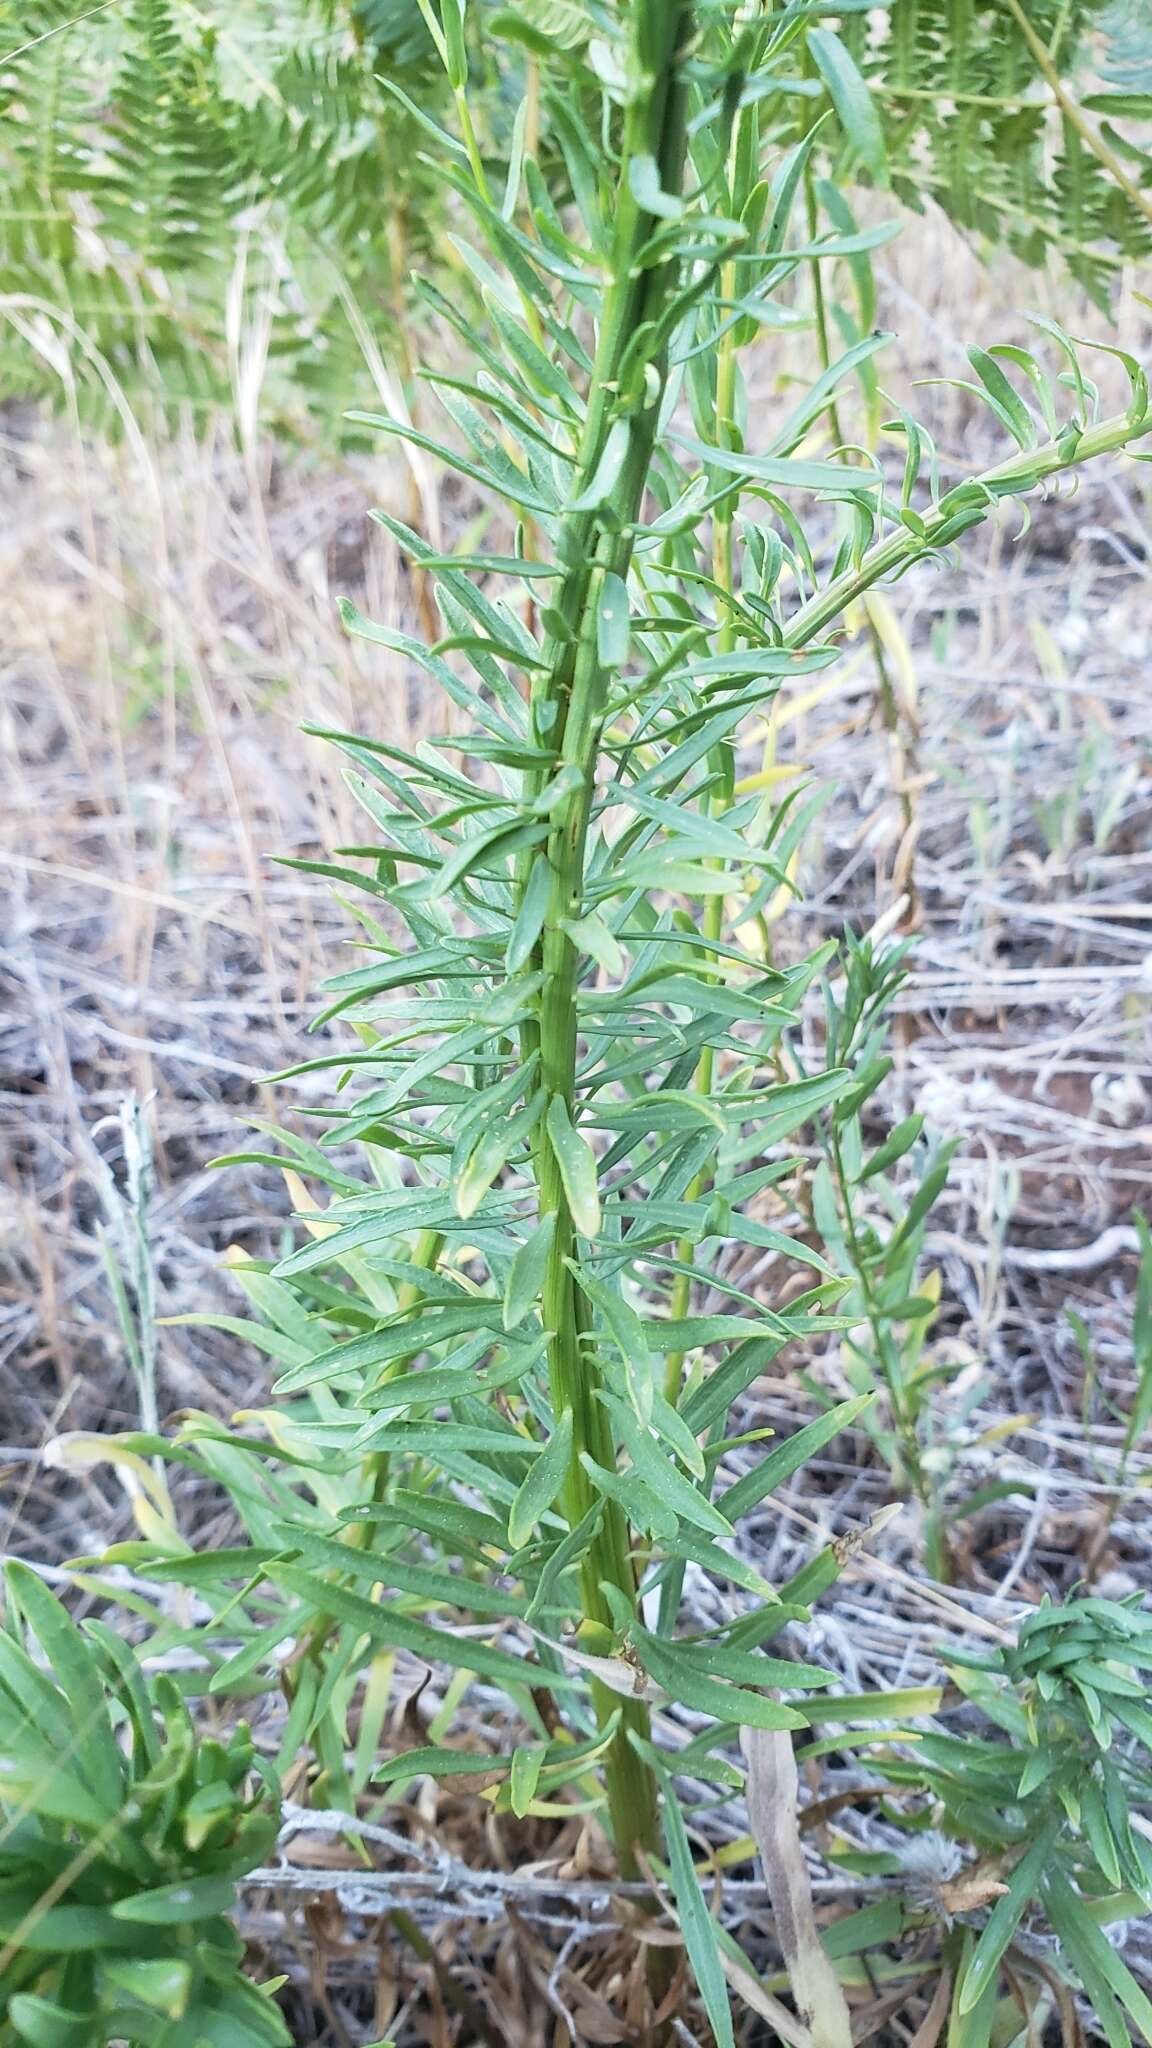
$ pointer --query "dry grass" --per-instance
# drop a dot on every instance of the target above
(167, 616)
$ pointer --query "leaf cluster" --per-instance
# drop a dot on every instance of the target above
(123, 1832)
(1047, 1801)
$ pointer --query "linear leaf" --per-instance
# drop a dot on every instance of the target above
(788, 1457)
(851, 98)
(543, 1482)
(700, 1937)
(577, 1164)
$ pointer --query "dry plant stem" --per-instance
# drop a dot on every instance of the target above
(568, 707)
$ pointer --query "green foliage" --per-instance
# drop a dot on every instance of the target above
(256, 163)
(971, 120)
(1045, 1798)
(234, 171)
(123, 1833)
(511, 1352)
(164, 184)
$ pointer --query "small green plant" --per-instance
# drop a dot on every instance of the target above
(874, 1229)
(1045, 1800)
(122, 1834)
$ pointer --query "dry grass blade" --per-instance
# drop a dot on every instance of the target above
(928, 2032)
(749, 1988)
(773, 1803)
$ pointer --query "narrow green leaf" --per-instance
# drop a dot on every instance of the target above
(434, 1762)
(646, 189)
(529, 920)
(896, 1144)
(436, 1645)
(1106, 1979)
(689, 1503)
(488, 1158)
(561, 1558)
(456, 51)
(577, 1165)
(789, 1456)
(405, 1336)
(852, 100)
(972, 2029)
(1003, 398)
(700, 1937)
(1003, 1921)
(784, 471)
(527, 1762)
(735, 1705)
(644, 1508)
(606, 475)
(93, 1745)
(543, 1483)
(613, 624)
(877, 1706)
(174, 1905)
(592, 936)
(526, 1273)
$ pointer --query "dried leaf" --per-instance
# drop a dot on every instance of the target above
(976, 1886)
(773, 1803)
(928, 2032)
(750, 1989)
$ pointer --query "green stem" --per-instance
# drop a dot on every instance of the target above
(724, 575)
(475, 160)
(568, 701)
(890, 556)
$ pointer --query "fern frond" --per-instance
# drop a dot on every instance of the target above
(1126, 26)
(133, 148)
(970, 116)
(162, 189)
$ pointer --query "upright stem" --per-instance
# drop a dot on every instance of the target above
(885, 693)
(567, 705)
(724, 575)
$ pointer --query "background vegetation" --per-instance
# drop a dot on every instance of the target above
(208, 254)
